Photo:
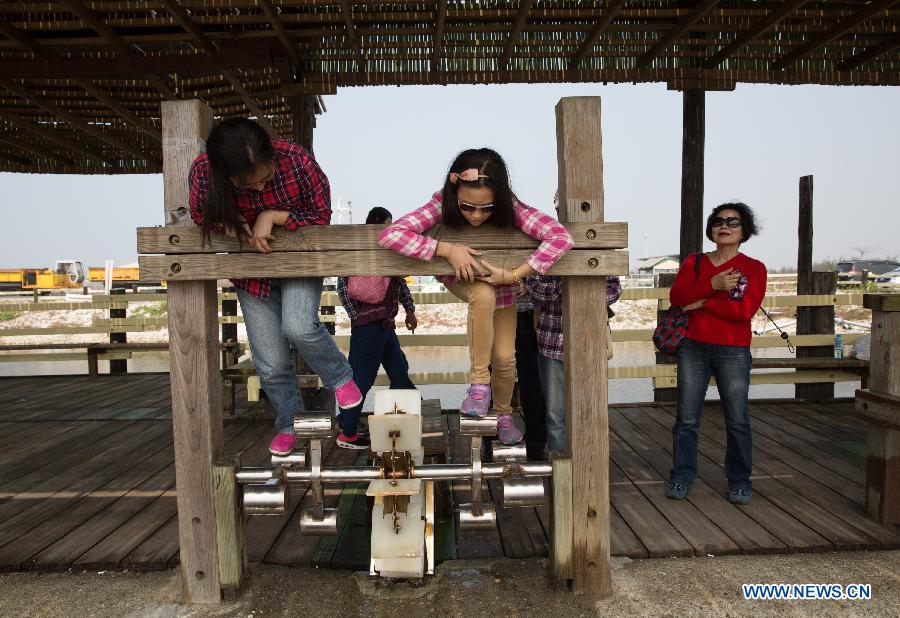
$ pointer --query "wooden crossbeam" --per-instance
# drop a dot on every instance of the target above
(51, 108)
(886, 46)
(177, 240)
(280, 30)
(239, 55)
(51, 136)
(609, 14)
(231, 75)
(114, 39)
(696, 14)
(760, 27)
(838, 29)
(93, 20)
(521, 17)
(41, 51)
(40, 152)
(439, 35)
(194, 267)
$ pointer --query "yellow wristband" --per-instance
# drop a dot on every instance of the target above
(516, 278)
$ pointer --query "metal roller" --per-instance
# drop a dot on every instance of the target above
(313, 426)
(327, 525)
(518, 492)
(254, 475)
(268, 499)
(294, 459)
(470, 520)
(503, 452)
(478, 426)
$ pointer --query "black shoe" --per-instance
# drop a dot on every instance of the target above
(740, 497)
(359, 442)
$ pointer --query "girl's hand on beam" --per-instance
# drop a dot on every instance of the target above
(461, 258)
(262, 231)
(497, 276)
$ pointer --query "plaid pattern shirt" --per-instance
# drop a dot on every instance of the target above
(547, 293)
(299, 186)
(405, 236)
(351, 306)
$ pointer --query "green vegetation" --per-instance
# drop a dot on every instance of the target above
(8, 315)
(155, 310)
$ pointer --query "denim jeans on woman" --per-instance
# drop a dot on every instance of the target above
(289, 318)
(730, 365)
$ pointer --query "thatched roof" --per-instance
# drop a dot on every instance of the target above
(81, 81)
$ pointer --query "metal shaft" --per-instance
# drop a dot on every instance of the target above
(431, 472)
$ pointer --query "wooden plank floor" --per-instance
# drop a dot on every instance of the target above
(87, 481)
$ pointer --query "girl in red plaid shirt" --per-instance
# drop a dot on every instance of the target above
(476, 192)
(244, 185)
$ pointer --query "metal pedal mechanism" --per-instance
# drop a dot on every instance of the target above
(402, 486)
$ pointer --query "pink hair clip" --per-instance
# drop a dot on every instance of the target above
(469, 175)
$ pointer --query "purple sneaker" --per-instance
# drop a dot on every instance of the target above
(282, 444)
(477, 401)
(508, 433)
(348, 395)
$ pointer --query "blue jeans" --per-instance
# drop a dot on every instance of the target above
(553, 383)
(371, 346)
(289, 318)
(731, 367)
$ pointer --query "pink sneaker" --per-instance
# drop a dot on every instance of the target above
(282, 444)
(348, 395)
(507, 431)
(477, 401)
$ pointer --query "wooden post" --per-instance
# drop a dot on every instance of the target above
(805, 236)
(118, 366)
(229, 526)
(692, 143)
(196, 381)
(880, 406)
(303, 111)
(185, 127)
(579, 156)
(816, 321)
(197, 428)
(664, 280)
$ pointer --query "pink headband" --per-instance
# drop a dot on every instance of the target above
(469, 175)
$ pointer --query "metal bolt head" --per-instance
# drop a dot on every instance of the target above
(591, 234)
(174, 239)
(585, 206)
(593, 263)
(176, 267)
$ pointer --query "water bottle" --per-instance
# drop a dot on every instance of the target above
(839, 346)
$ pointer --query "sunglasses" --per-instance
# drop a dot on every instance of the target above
(730, 222)
(485, 208)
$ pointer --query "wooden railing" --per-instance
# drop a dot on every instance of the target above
(663, 375)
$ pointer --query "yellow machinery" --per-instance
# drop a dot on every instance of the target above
(64, 274)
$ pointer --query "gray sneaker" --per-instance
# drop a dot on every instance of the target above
(740, 497)
(676, 490)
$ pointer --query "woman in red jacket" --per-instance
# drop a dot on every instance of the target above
(721, 296)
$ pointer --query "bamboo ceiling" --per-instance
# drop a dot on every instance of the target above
(81, 81)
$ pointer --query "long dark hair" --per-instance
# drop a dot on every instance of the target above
(235, 148)
(491, 165)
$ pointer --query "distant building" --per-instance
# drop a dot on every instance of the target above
(658, 264)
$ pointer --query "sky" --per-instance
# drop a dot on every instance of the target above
(389, 146)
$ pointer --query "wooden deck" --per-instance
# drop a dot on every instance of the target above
(87, 481)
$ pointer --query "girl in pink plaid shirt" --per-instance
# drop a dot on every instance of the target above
(476, 192)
